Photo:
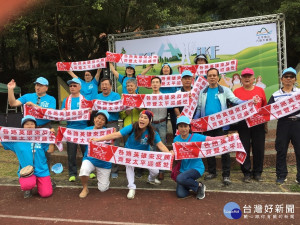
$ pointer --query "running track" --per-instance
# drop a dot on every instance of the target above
(148, 207)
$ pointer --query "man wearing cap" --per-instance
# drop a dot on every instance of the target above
(73, 102)
(39, 99)
(108, 95)
(254, 136)
(89, 86)
(187, 81)
(213, 99)
(159, 119)
(288, 127)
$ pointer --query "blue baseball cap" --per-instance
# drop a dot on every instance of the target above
(104, 113)
(42, 81)
(57, 168)
(74, 80)
(183, 119)
(27, 118)
(166, 64)
(289, 70)
(186, 73)
(130, 65)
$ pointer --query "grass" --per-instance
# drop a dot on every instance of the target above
(8, 164)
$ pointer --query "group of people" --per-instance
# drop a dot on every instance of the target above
(146, 129)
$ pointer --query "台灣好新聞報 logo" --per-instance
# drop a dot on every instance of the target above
(232, 211)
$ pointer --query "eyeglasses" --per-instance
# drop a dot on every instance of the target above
(38, 100)
(73, 85)
(291, 77)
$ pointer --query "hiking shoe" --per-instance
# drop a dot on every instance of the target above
(258, 178)
(131, 194)
(72, 178)
(280, 180)
(114, 175)
(226, 181)
(201, 191)
(247, 179)
(154, 182)
(297, 181)
(92, 175)
(210, 176)
(27, 194)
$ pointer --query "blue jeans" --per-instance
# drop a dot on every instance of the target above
(186, 181)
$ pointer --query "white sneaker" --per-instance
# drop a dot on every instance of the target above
(131, 194)
(155, 182)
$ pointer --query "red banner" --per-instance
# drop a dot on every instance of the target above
(81, 65)
(201, 69)
(41, 135)
(190, 150)
(166, 80)
(80, 137)
(131, 157)
(131, 59)
(110, 106)
(156, 101)
(57, 115)
(277, 110)
(224, 118)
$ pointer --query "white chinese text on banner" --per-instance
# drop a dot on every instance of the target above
(190, 150)
(131, 59)
(81, 65)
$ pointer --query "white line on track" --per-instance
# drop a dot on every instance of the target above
(70, 220)
(170, 189)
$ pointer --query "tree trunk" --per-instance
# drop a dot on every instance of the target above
(39, 43)
(28, 29)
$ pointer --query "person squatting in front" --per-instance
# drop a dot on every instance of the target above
(190, 169)
(141, 136)
(89, 164)
(32, 154)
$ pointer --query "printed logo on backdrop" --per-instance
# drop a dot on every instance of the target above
(263, 35)
(232, 211)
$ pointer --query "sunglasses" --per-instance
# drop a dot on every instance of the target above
(38, 100)
(73, 85)
(291, 77)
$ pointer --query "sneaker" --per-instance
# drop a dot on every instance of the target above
(83, 193)
(280, 180)
(298, 182)
(226, 181)
(210, 176)
(27, 194)
(131, 194)
(154, 182)
(72, 178)
(247, 179)
(258, 178)
(201, 191)
(92, 175)
(114, 175)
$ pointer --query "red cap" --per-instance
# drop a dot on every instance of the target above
(247, 71)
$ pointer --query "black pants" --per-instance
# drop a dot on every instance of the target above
(72, 151)
(287, 130)
(211, 161)
(252, 137)
(173, 119)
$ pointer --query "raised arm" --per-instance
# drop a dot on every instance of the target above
(97, 76)
(72, 74)
(113, 70)
(147, 69)
(13, 102)
(108, 137)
